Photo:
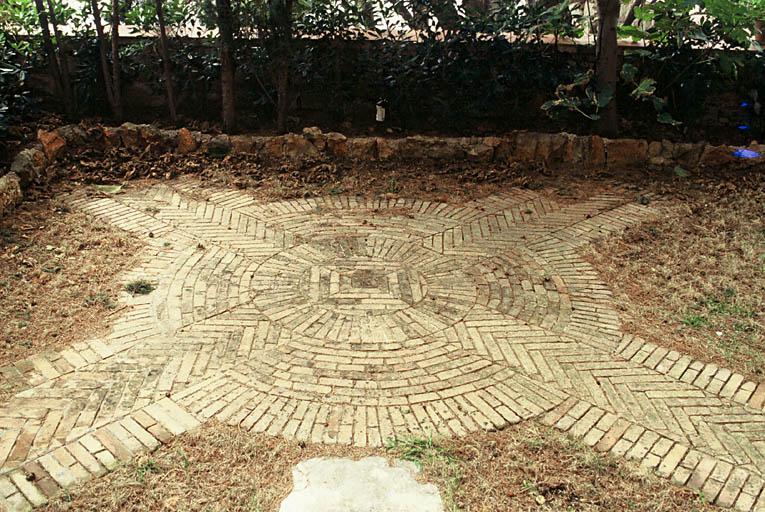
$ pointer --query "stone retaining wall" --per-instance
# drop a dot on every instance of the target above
(563, 150)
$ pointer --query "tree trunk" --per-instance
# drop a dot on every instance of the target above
(476, 7)
(102, 49)
(607, 63)
(630, 19)
(42, 15)
(117, 92)
(281, 33)
(367, 12)
(226, 28)
(282, 100)
(166, 62)
(63, 63)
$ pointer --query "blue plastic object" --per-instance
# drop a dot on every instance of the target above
(743, 127)
(746, 153)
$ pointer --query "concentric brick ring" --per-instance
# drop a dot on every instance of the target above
(418, 371)
(361, 286)
(362, 290)
(521, 285)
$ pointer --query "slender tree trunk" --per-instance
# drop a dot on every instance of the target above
(42, 15)
(476, 7)
(102, 49)
(63, 62)
(117, 92)
(281, 18)
(166, 62)
(367, 12)
(226, 29)
(630, 19)
(607, 63)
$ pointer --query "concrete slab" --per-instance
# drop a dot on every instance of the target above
(367, 485)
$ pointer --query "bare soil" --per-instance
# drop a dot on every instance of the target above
(692, 281)
(58, 272)
(523, 468)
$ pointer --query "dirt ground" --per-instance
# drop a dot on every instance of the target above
(701, 285)
(701, 266)
(701, 282)
(522, 468)
(57, 277)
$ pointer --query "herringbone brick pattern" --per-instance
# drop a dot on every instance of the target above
(347, 320)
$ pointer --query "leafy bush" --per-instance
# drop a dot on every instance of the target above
(433, 62)
(17, 56)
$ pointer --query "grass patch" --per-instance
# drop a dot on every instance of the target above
(139, 287)
(147, 467)
(101, 299)
(701, 278)
(436, 459)
(219, 468)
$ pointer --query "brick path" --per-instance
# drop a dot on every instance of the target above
(342, 320)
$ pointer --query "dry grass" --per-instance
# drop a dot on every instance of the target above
(700, 271)
(526, 467)
(694, 281)
(57, 277)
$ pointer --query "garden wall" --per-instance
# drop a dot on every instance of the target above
(31, 167)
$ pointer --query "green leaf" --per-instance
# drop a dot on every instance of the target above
(681, 172)
(548, 105)
(644, 13)
(646, 87)
(107, 189)
(638, 51)
(698, 35)
(582, 79)
(666, 118)
(635, 33)
(604, 96)
(628, 72)
(592, 97)
(659, 104)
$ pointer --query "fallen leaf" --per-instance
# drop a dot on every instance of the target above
(107, 189)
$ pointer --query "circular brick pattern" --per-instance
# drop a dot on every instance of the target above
(338, 314)
(358, 291)
(362, 287)
(520, 284)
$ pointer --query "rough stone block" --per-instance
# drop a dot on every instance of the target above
(525, 146)
(337, 144)
(246, 144)
(318, 139)
(219, 145)
(29, 165)
(298, 148)
(274, 147)
(362, 148)
(131, 135)
(52, 142)
(73, 134)
(625, 153)
(714, 156)
(10, 193)
(187, 141)
(389, 148)
(480, 153)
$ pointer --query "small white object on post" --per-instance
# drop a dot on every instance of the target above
(380, 117)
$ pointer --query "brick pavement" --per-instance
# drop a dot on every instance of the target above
(345, 320)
